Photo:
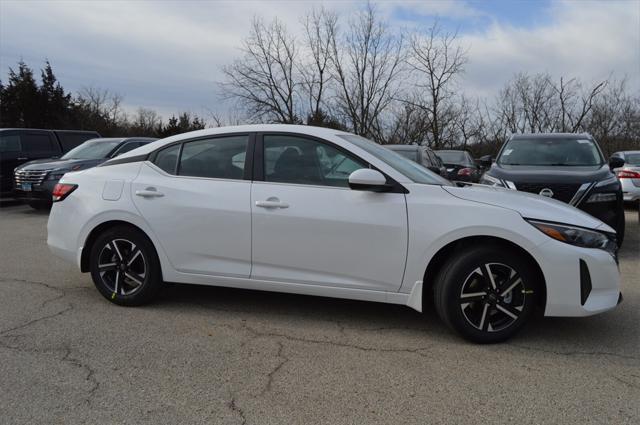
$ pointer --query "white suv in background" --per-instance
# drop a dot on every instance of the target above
(321, 212)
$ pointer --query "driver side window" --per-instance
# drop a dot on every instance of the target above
(297, 160)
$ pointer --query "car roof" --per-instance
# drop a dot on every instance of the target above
(403, 147)
(321, 132)
(122, 139)
(450, 150)
(551, 136)
(42, 129)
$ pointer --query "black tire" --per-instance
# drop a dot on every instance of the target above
(125, 267)
(462, 281)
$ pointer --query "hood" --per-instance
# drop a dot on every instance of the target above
(528, 205)
(546, 174)
(60, 164)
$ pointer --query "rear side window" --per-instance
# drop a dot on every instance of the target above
(167, 159)
(220, 158)
(34, 142)
(129, 146)
(10, 144)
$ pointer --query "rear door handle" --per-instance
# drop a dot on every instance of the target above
(150, 192)
(272, 203)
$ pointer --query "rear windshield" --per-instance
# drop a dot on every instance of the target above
(453, 157)
(632, 158)
(412, 155)
(548, 152)
(92, 149)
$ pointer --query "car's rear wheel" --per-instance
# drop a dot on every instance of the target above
(125, 267)
(486, 293)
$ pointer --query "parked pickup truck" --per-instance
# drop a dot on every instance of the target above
(20, 145)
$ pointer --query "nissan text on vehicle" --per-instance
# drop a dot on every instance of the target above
(317, 211)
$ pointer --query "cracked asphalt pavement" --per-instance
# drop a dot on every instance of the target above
(226, 356)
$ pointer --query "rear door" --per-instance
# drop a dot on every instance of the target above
(195, 197)
(39, 144)
(310, 228)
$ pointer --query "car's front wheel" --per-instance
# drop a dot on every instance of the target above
(486, 293)
(125, 267)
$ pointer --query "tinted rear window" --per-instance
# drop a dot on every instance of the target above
(34, 142)
(453, 157)
(10, 143)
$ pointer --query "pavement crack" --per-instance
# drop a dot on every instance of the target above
(90, 372)
(233, 405)
(270, 375)
(576, 353)
(36, 320)
(256, 333)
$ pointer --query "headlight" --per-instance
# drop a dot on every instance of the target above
(491, 181)
(602, 197)
(607, 182)
(578, 236)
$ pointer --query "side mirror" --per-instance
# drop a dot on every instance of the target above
(368, 179)
(486, 161)
(615, 162)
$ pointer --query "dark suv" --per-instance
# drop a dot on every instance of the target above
(422, 155)
(34, 181)
(19, 145)
(564, 166)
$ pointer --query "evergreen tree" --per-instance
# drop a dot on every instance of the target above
(20, 99)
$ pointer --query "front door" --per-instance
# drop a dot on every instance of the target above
(309, 227)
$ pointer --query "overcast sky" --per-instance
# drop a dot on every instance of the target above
(167, 55)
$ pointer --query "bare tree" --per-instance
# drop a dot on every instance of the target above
(264, 80)
(320, 28)
(366, 64)
(146, 121)
(574, 103)
(436, 60)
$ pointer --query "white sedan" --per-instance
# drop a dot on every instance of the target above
(321, 212)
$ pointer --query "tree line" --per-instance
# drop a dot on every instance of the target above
(392, 87)
(25, 102)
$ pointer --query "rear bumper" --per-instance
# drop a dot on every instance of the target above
(630, 191)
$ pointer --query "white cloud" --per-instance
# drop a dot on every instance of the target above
(588, 40)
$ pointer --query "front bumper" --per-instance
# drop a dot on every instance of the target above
(561, 266)
(39, 192)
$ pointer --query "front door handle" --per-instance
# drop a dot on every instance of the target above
(150, 192)
(272, 203)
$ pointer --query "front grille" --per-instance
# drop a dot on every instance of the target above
(561, 192)
(30, 176)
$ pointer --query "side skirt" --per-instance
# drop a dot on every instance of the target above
(413, 300)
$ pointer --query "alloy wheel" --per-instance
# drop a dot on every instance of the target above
(492, 297)
(122, 267)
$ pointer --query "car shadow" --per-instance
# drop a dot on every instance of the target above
(556, 335)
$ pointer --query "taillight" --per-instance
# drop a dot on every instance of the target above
(62, 190)
(628, 174)
(465, 171)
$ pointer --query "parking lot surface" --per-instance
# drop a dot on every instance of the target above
(215, 355)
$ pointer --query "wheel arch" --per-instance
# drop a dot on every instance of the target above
(85, 255)
(438, 260)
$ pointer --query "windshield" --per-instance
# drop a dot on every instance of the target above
(552, 151)
(412, 155)
(632, 158)
(453, 157)
(411, 170)
(92, 149)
